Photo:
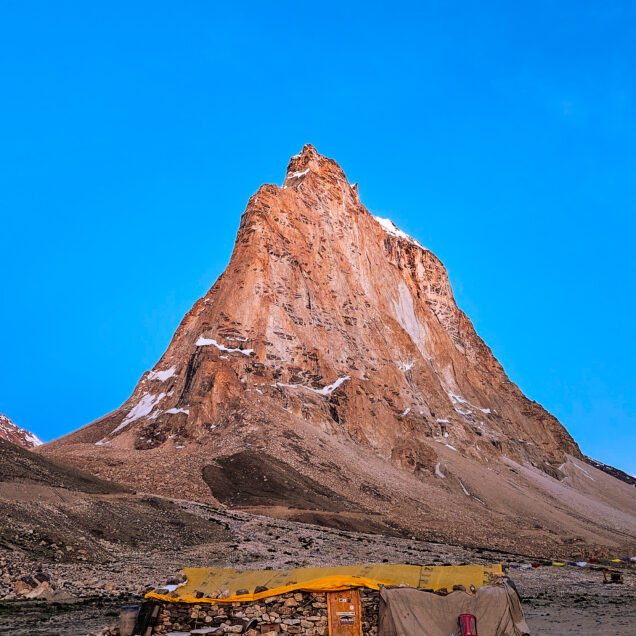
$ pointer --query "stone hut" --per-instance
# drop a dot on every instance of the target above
(307, 601)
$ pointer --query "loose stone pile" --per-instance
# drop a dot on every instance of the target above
(24, 578)
(27, 583)
(302, 613)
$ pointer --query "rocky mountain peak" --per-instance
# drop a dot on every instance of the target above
(16, 435)
(342, 320)
(331, 351)
(315, 170)
(308, 157)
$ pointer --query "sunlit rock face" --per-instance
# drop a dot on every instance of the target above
(332, 342)
(339, 318)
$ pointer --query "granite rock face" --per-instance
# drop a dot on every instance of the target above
(332, 343)
(348, 323)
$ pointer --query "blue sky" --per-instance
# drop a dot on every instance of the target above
(501, 135)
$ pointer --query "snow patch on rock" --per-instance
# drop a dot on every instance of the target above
(390, 228)
(406, 366)
(162, 376)
(459, 400)
(405, 315)
(584, 472)
(143, 408)
(9, 430)
(326, 390)
(204, 342)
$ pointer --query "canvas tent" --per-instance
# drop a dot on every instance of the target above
(411, 612)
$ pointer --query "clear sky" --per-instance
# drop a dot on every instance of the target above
(501, 135)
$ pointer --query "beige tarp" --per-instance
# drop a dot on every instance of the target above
(405, 612)
(212, 585)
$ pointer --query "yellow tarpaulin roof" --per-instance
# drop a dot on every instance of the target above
(212, 585)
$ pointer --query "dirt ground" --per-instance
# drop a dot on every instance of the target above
(556, 600)
(572, 600)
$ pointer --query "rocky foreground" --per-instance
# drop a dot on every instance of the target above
(46, 596)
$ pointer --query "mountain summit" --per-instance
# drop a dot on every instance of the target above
(329, 376)
(16, 435)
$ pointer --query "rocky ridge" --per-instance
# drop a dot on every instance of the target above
(17, 435)
(610, 470)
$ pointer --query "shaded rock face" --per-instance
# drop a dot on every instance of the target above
(17, 435)
(340, 319)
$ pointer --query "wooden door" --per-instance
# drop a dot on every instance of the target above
(344, 610)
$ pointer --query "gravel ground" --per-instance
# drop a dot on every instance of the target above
(556, 600)
(571, 600)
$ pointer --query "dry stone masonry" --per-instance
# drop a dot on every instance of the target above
(294, 613)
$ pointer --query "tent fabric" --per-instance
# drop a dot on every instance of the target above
(408, 612)
(211, 585)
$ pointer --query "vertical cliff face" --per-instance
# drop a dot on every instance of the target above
(17, 435)
(347, 322)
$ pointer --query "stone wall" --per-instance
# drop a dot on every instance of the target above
(302, 613)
